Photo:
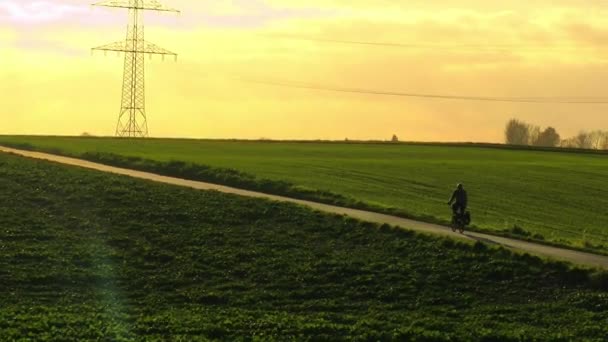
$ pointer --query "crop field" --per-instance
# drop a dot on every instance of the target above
(552, 196)
(86, 255)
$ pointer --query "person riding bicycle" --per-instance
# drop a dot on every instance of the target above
(459, 200)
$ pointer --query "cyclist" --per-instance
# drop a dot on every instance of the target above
(459, 200)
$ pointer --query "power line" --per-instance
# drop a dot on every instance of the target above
(489, 47)
(540, 100)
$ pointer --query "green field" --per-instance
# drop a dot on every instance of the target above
(557, 197)
(90, 256)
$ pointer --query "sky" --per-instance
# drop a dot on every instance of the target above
(53, 84)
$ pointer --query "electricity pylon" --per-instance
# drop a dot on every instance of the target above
(132, 121)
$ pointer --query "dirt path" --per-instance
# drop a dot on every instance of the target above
(533, 248)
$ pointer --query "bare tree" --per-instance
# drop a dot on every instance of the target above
(568, 143)
(604, 145)
(517, 133)
(548, 138)
(595, 138)
(583, 140)
(598, 140)
(533, 134)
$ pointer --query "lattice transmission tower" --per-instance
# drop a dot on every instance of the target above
(132, 121)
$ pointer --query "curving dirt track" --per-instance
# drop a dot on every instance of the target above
(581, 258)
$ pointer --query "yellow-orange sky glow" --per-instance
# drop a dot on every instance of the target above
(52, 85)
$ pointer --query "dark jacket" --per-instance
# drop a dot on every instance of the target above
(460, 196)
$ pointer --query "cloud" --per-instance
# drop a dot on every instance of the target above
(42, 45)
(256, 13)
(586, 32)
(36, 11)
(225, 14)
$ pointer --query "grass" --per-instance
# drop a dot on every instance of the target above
(91, 256)
(543, 195)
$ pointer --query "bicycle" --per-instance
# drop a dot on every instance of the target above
(460, 221)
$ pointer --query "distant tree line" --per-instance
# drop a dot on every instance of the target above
(518, 132)
(596, 140)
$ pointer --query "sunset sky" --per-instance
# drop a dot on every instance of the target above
(52, 84)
